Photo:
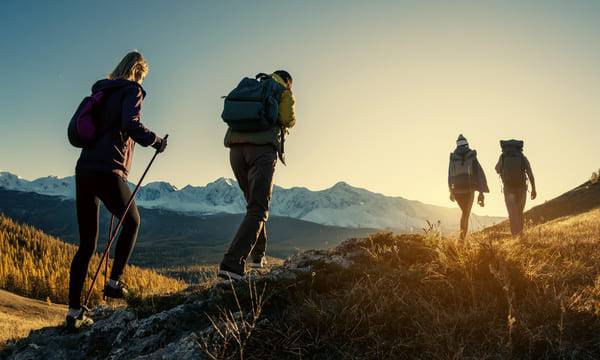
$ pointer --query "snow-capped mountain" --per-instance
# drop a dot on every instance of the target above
(340, 205)
(49, 185)
(12, 182)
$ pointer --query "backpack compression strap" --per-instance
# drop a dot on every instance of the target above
(262, 76)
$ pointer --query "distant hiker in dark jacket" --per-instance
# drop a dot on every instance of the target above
(101, 175)
(465, 176)
(514, 169)
(253, 156)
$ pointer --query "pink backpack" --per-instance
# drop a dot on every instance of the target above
(83, 128)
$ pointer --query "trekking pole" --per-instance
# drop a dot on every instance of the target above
(116, 230)
(110, 232)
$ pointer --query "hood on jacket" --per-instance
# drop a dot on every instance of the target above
(108, 84)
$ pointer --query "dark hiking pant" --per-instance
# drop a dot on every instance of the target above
(515, 204)
(465, 202)
(114, 193)
(253, 167)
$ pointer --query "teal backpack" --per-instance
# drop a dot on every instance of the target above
(513, 164)
(253, 105)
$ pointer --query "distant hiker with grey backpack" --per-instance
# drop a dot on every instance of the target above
(258, 112)
(515, 170)
(465, 176)
(106, 125)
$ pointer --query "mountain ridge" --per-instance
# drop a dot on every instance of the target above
(339, 205)
(168, 238)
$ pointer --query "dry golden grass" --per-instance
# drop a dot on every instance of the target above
(19, 315)
(421, 296)
(426, 297)
(36, 265)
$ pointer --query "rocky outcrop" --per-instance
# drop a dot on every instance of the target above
(187, 330)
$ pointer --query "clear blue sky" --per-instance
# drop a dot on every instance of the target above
(383, 87)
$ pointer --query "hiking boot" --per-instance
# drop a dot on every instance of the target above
(118, 291)
(227, 273)
(258, 262)
(75, 323)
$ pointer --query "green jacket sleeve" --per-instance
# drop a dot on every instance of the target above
(287, 113)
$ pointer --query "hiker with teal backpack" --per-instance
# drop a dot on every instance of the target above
(514, 170)
(258, 112)
(106, 126)
(465, 176)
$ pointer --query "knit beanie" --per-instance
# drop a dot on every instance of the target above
(461, 140)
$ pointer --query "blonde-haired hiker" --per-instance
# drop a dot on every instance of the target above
(101, 175)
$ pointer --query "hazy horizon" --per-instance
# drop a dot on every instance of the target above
(383, 88)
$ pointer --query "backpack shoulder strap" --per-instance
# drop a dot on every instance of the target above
(523, 165)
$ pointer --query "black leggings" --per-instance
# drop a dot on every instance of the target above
(465, 202)
(114, 193)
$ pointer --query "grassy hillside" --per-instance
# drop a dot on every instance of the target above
(412, 296)
(386, 296)
(581, 199)
(19, 315)
(36, 265)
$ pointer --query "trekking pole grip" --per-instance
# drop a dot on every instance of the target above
(164, 138)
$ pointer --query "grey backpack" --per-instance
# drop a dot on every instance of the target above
(462, 176)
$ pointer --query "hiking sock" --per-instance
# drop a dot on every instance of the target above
(73, 312)
(113, 283)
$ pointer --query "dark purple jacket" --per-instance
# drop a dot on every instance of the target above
(121, 129)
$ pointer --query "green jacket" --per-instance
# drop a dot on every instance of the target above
(287, 119)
